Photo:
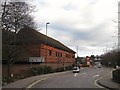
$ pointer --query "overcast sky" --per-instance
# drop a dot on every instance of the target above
(86, 23)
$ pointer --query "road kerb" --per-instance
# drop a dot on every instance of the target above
(97, 84)
(101, 85)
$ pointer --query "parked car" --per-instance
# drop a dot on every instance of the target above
(76, 69)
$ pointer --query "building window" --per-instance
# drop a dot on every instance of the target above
(56, 54)
(61, 54)
(50, 52)
(66, 55)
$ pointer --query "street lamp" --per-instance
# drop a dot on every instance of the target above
(46, 43)
(46, 27)
(77, 51)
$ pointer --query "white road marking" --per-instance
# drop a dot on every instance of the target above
(96, 75)
(95, 82)
(36, 83)
(75, 74)
(79, 74)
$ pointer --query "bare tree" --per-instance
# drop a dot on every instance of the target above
(15, 15)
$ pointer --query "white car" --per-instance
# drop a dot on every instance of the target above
(76, 69)
(99, 65)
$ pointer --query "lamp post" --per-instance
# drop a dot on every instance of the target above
(77, 51)
(46, 44)
(77, 55)
(46, 27)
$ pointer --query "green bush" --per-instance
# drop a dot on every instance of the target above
(116, 75)
(68, 68)
(41, 70)
(47, 69)
(6, 80)
(60, 69)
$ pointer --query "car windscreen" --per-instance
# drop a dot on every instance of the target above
(75, 68)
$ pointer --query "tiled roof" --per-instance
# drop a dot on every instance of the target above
(30, 36)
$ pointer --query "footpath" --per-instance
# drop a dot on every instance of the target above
(108, 83)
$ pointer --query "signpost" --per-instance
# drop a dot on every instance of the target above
(36, 59)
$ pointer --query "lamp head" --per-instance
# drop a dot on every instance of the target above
(47, 23)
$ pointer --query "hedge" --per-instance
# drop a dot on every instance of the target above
(116, 75)
(41, 70)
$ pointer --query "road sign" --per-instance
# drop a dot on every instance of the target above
(36, 59)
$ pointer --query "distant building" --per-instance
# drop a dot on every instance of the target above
(35, 45)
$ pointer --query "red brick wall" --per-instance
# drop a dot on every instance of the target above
(40, 50)
(18, 68)
(24, 68)
(43, 51)
(65, 57)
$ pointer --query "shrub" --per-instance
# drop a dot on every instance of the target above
(68, 68)
(41, 70)
(6, 80)
(47, 69)
(60, 69)
(116, 75)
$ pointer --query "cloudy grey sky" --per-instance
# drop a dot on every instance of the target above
(86, 23)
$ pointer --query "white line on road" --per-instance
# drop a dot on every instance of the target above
(75, 74)
(96, 75)
(79, 74)
(35, 83)
(95, 82)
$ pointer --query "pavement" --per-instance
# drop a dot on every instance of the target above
(106, 81)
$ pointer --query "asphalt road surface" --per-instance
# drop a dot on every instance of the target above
(87, 78)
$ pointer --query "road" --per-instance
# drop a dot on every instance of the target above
(87, 78)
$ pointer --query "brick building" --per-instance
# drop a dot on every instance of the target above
(34, 44)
